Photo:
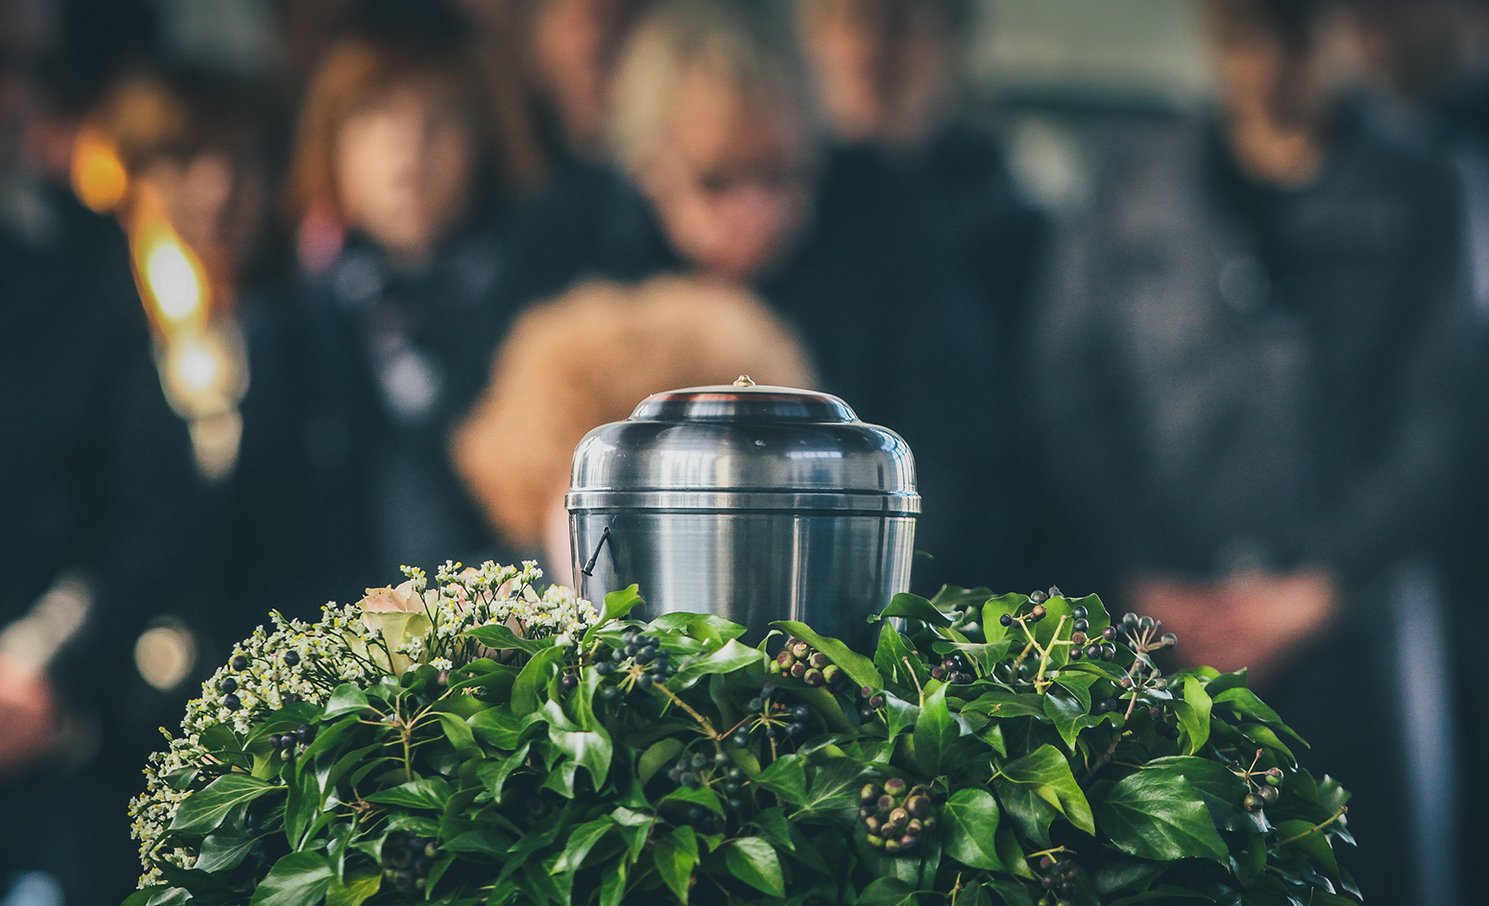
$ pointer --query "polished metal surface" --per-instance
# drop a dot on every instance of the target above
(755, 503)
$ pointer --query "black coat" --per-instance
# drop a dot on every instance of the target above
(1233, 375)
(344, 474)
(96, 480)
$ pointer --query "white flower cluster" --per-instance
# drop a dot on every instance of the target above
(389, 631)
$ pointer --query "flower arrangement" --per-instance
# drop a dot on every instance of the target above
(478, 742)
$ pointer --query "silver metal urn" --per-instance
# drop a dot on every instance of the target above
(755, 503)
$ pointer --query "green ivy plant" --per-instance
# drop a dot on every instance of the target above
(992, 749)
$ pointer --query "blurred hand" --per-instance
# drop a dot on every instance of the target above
(28, 724)
(1252, 620)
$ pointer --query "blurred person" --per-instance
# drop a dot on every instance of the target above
(196, 147)
(588, 358)
(723, 174)
(399, 187)
(568, 52)
(1250, 427)
(99, 509)
(889, 74)
(1427, 86)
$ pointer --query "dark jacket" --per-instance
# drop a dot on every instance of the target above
(1236, 376)
(96, 482)
(884, 308)
(344, 474)
(1238, 372)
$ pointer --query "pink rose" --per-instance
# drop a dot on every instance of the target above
(403, 598)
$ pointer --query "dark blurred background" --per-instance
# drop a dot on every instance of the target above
(1178, 301)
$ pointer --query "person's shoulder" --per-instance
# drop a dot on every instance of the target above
(1364, 155)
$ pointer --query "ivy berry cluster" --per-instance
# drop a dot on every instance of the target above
(801, 661)
(641, 660)
(1057, 877)
(777, 718)
(1263, 788)
(406, 860)
(895, 815)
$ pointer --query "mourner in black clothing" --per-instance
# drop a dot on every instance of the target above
(98, 535)
(1427, 87)
(889, 75)
(725, 179)
(344, 474)
(1247, 359)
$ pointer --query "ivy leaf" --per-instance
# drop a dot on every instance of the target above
(998, 703)
(1302, 837)
(591, 749)
(1010, 852)
(754, 861)
(1160, 815)
(731, 657)
(914, 607)
(833, 784)
(891, 656)
(428, 794)
(859, 668)
(298, 879)
(1012, 892)
(657, 755)
(581, 840)
(902, 714)
(971, 817)
(887, 892)
(698, 625)
(1068, 716)
(1038, 787)
(500, 727)
(1194, 715)
(223, 852)
(772, 826)
(345, 699)
(787, 778)
(675, 856)
(355, 890)
(613, 882)
(1265, 736)
(1218, 786)
(204, 810)
(617, 605)
(935, 732)
(497, 636)
(527, 691)
(1245, 703)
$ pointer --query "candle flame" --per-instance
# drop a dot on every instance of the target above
(171, 277)
(98, 176)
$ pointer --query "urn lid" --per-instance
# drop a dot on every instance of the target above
(744, 444)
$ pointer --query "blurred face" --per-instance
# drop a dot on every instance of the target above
(572, 52)
(404, 164)
(732, 182)
(216, 202)
(1420, 48)
(883, 67)
(1265, 82)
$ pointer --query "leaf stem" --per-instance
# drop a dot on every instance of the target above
(1343, 810)
(702, 721)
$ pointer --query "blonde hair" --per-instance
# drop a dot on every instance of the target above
(587, 358)
(749, 46)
